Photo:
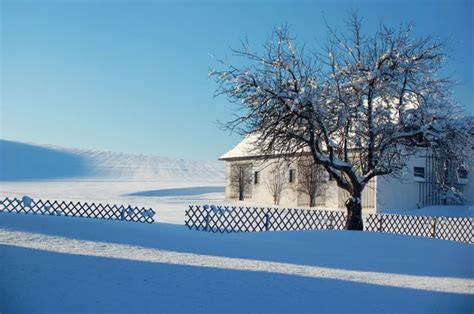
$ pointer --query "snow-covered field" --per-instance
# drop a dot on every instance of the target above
(164, 184)
(61, 264)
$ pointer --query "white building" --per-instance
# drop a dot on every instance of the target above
(416, 187)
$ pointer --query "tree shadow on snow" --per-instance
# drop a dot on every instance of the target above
(188, 191)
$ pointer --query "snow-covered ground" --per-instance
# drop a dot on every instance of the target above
(62, 264)
(164, 184)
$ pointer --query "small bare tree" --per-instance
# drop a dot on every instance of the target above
(362, 105)
(445, 177)
(277, 182)
(241, 179)
(311, 180)
(446, 169)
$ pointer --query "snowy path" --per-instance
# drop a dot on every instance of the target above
(136, 253)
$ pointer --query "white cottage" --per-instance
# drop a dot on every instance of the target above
(260, 178)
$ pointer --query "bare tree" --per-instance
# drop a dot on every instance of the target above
(445, 177)
(361, 105)
(277, 182)
(241, 179)
(450, 171)
(311, 179)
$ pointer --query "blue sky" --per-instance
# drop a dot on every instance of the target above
(132, 76)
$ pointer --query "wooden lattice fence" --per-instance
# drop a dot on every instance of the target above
(77, 209)
(248, 219)
(447, 228)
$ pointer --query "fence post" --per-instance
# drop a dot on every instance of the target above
(381, 223)
(331, 218)
(267, 222)
(122, 211)
(433, 234)
(206, 226)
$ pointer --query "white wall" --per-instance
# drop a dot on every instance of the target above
(391, 193)
(260, 192)
(394, 194)
(332, 195)
(290, 196)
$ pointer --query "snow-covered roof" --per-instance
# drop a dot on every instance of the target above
(249, 148)
(246, 148)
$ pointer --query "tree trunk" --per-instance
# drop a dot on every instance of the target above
(312, 200)
(354, 213)
(241, 194)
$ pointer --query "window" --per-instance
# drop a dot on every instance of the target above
(256, 176)
(419, 172)
(292, 176)
(462, 174)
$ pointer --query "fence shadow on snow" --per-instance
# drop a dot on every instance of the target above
(249, 219)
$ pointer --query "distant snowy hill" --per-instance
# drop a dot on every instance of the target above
(30, 162)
